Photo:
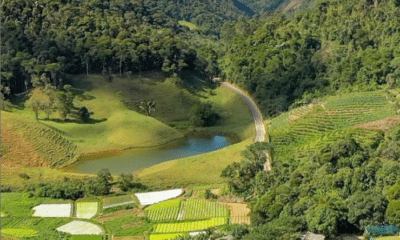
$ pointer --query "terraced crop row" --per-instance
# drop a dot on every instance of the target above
(163, 214)
(189, 226)
(51, 144)
(198, 209)
(338, 114)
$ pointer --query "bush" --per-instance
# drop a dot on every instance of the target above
(203, 115)
(84, 114)
(24, 176)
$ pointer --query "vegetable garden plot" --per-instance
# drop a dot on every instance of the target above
(53, 210)
(155, 197)
(189, 226)
(81, 228)
(86, 209)
(164, 211)
(198, 209)
(19, 232)
(165, 236)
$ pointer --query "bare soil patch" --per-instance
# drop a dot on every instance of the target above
(17, 152)
(384, 124)
(292, 5)
(231, 199)
(239, 213)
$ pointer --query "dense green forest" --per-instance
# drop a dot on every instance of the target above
(340, 188)
(338, 45)
(43, 40)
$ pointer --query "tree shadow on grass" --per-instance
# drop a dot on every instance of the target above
(91, 121)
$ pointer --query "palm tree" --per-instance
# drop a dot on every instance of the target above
(147, 106)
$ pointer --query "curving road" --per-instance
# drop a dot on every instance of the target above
(258, 120)
(257, 116)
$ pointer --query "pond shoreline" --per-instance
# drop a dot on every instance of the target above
(96, 155)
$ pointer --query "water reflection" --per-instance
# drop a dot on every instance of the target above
(139, 159)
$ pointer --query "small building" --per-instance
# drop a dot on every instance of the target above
(382, 230)
(312, 236)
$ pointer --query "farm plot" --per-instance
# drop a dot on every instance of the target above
(19, 232)
(239, 213)
(164, 211)
(20, 204)
(53, 210)
(189, 226)
(86, 210)
(81, 228)
(117, 201)
(197, 209)
(37, 228)
(155, 197)
(165, 236)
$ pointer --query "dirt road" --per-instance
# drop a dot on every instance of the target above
(257, 116)
(258, 120)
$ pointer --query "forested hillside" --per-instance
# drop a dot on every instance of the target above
(339, 45)
(43, 40)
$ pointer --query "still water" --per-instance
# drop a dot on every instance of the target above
(134, 160)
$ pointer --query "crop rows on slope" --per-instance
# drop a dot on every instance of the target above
(338, 114)
(56, 149)
(198, 209)
(191, 209)
(189, 226)
(164, 211)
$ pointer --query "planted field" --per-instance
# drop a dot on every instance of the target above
(337, 113)
(53, 210)
(49, 143)
(155, 197)
(189, 226)
(165, 236)
(19, 232)
(86, 209)
(198, 209)
(128, 225)
(45, 228)
(20, 204)
(164, 211)
(117, 201)
(81, 228)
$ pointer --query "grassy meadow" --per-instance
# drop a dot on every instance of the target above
(42, 146)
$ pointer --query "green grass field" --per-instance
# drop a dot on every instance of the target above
(117, 126)
(165, 236)
(204, 169)
(189, 226)
(86, 209)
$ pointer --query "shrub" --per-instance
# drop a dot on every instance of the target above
(203, 115)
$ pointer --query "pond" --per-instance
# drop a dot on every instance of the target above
(133, 160)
